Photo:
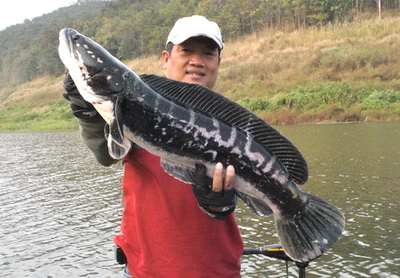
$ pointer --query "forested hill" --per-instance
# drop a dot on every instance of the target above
(29, 49)
(131, 28)
(289, 61)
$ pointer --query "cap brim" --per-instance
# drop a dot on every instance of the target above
(180, 39)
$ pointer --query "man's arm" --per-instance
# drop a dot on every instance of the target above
(91, 124)
(92, 134)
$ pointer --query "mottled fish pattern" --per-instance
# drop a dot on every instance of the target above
(188, 124)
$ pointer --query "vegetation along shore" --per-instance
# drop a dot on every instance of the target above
(347, 71)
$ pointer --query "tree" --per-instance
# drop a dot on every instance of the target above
(379, 3)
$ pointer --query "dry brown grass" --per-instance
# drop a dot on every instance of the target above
(40, 90)
(149, 65)
(271, 62)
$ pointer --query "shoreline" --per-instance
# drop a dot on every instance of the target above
(323, 122)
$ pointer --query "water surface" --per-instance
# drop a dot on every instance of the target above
(60, 210)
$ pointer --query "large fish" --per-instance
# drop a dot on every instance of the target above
(188, 125)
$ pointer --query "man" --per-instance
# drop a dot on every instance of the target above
(170, 229)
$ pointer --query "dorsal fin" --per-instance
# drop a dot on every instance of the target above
(206, 101)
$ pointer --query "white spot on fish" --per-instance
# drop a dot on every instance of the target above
(269, 165)
(280, 178)
(93, 56)
(100, 60)
(192, 117)
(230, 142)
(186, 126)
(205, 132)
(85, 46)
(109, 77)
(157, 101)
(215, 123)
(237, 150)
(213, 153)
(254, 156)
(90, 52)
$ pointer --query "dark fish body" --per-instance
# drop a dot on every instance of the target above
(187, 124)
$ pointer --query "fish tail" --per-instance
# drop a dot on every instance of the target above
(307, 236)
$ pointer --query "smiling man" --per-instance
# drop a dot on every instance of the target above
(193, 51)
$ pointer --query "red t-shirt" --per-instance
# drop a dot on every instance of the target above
(165, 234)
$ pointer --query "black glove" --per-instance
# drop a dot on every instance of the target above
(218, 205)
(80, 107)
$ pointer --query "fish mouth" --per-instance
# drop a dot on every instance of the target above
(66, 46)
(65, 39)
(69, 39)
(75, 46)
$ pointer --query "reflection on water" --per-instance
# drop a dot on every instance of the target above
(60, 210)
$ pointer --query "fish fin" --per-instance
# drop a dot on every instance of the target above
(206, 101)
(188, 175)
(118, 145)
(254, 204)
(307, 236)
(181, 172)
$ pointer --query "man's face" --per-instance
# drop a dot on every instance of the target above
(196, 60)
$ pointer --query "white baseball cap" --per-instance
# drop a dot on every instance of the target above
(195, 26)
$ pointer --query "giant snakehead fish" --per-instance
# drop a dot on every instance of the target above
(189, 125)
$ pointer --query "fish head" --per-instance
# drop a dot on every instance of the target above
(97, 74)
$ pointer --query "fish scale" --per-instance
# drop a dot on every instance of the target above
(189, 124)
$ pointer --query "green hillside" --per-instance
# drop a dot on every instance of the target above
(332, 73)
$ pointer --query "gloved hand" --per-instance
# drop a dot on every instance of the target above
(213, 199)
(80, 108)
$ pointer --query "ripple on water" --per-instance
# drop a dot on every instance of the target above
(60, 210)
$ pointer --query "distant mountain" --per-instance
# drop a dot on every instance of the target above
(22, 44)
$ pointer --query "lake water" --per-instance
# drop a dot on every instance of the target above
(60, 210)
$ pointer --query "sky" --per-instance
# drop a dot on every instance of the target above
(16, 11)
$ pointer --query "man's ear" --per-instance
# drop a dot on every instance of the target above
(165, 58)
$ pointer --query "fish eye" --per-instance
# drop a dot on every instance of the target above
(75, 37)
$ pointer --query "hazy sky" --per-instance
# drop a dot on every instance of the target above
(16, 11)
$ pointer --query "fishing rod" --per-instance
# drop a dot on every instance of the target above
(276, 251)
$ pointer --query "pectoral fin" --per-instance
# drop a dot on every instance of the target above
(118, 145)
(181, 172)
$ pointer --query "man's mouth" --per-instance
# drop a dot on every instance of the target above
(195, 74)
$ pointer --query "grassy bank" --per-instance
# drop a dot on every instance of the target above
(36, 106)
(337, 73)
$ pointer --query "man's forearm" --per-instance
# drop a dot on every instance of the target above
(92, 133)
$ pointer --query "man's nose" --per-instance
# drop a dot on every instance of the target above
(197, 60)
